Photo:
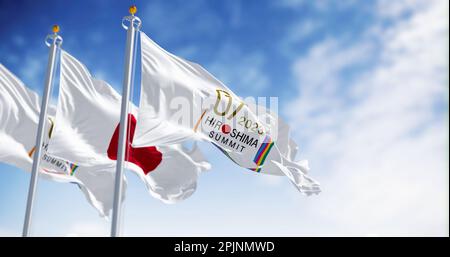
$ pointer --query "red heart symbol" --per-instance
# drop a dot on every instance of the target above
(148, 158)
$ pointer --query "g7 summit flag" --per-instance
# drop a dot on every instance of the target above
(88, 116)
(210, 111)
(19, 116)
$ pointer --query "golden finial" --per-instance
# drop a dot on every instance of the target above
(133, 9)
(55, 28)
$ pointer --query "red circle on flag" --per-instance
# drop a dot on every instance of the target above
(226, 129)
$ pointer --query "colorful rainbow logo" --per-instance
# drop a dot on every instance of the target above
(73, 168)
(262, 153)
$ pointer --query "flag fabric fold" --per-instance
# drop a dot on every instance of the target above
(19, 117)
(209, 111)
(88, 113)
(296, 171)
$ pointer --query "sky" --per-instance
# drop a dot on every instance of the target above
(364, 86)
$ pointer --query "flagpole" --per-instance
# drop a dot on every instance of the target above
(53, 41)
(132, 28)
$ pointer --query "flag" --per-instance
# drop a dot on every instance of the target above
(19, 117)
(210, 111)
(88, 115)
(288, 149)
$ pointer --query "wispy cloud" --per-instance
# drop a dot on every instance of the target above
(240, 70)
(32, 70)
(180, 22)
(367, 112)
(318, 5)
(297, 34)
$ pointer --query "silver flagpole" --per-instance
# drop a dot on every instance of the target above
(53, 41)
(132, 28)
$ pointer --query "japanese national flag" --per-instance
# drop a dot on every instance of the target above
(19, 117)
(87, 117)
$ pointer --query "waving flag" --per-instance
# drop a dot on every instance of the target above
(88, 115)
(213, 113)
(19, 115)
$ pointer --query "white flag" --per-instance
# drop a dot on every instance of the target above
(88, 115)
(19, 117)
(209, 111)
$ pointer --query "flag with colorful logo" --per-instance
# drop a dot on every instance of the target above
(180, 100)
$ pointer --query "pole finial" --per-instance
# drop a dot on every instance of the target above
(132, 9)
(55, 28)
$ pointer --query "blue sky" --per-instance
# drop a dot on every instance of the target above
(364, 86)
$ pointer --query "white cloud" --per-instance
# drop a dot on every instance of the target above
(235, 13)
(376, 140)
(319, 5)
(270, 181)
(298, 32)
(230, 64)
(238, 69)
(192, 19)
(18, 40)
(395, 9)
(33, 70)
